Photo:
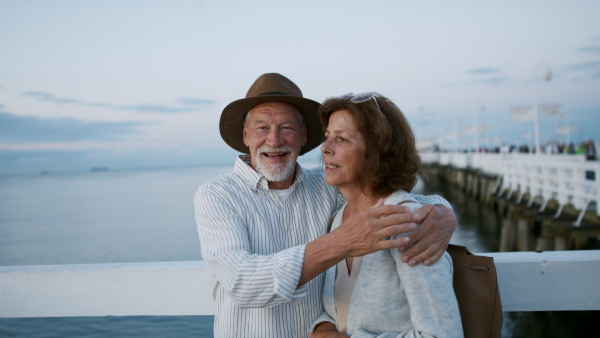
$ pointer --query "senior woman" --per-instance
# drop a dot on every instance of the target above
(370, 155)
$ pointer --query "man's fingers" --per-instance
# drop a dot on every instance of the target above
(386, 210)
(390, 243)
(395, 229)
(424, 210)
(426, 257)
(430, 248)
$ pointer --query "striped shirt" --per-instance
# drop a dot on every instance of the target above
(254, 243)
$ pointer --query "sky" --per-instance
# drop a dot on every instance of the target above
(140, 84)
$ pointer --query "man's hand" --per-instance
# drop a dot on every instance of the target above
(361, 234)
(366, 232)
(430, 240)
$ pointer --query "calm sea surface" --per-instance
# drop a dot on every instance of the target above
(139, 216)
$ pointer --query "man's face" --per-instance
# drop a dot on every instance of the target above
(274, 133)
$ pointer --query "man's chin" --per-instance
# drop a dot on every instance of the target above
(276, 173)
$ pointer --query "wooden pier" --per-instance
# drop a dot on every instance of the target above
(545, 202)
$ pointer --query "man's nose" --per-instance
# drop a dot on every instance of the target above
(274, 139)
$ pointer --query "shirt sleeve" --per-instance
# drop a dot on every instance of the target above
(324, 317)
(432, 200)
(251, 280)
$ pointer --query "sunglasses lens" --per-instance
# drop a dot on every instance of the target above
(345, 96)
(363, 97)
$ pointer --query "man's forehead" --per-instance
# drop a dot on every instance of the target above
(273, 109)
(274, 106)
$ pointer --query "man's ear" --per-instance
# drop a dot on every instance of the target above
(244, 136)
(304, 136)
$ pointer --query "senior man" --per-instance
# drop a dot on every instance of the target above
(263, 226)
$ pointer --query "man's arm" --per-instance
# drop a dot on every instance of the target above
(361, 234)
(250, 280)
(430, 240)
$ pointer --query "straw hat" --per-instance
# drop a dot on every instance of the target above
(271, 87)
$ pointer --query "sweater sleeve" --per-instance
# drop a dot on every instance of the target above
(433, 306)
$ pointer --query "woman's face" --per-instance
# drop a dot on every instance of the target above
(343, 151)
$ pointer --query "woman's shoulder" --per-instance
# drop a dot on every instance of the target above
(400, 196)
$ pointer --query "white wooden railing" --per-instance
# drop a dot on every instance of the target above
(559, 177)
(528, 281)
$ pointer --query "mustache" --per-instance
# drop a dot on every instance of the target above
(282, 149)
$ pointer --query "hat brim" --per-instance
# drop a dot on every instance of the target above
(232, 120)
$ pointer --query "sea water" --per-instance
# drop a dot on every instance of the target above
(102, 217)
(134, 216)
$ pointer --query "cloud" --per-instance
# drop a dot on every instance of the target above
(15, 129)
(590, 49)
(586, 65)
(484, 71)
(482, 75)
(590, 68)
(496, 80)
(200, 102)
(184, 105)
(149, 108)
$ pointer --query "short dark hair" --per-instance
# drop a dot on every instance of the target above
(392, 159)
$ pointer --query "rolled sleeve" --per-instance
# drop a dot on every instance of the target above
(251, 280)
(286, 274)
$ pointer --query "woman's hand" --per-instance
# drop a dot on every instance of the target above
(430, 240)
(326, 330)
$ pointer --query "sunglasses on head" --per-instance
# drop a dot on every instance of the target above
(362, 97)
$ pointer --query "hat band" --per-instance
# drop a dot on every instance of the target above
(273, 93)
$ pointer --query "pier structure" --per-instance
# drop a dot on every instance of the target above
(525, 280)
(546, 201)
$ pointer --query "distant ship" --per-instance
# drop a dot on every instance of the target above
(99, 169)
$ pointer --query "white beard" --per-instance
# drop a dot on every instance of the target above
(276, 172)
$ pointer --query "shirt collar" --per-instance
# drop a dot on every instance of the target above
(254, 179)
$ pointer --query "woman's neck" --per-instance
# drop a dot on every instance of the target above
(358, 200)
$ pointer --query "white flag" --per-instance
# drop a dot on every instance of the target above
(523, 114)
(549, 110)
(470, 130)
(526, 135)
(563, 130)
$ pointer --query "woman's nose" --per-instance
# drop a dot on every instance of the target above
(326, 147)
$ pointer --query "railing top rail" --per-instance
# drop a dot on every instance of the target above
(184, 288)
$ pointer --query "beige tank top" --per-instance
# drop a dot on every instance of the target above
(344, 286)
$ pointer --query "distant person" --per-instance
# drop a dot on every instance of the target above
(590, 155)
(263, 227)
(369, 153)
(581, 148)
(551, 148)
